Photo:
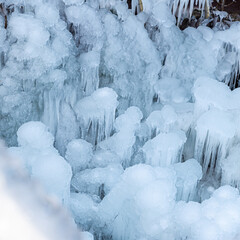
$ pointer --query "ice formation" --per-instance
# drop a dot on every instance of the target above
(97, 181)
(23, 200)
(230, 175)
(188, 175)
(42, 160)
(126, 126)
(96, 114)
(165, 149)
(79, 154)
(129, 121)
(138, 206)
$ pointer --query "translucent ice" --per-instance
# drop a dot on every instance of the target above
(96, 114)
(165, 149)
(79, 154)
(42, 160)
(188, 175)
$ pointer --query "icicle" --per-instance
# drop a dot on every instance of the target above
(51, 106)
(96, 115)
(231, 168)
(188, 175)
(180, 7)
(52, 96)
(229, 65)
(89, 71)
(126, 126)
(165, 149)
(212, 140)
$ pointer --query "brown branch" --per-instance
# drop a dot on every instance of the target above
(4, 14)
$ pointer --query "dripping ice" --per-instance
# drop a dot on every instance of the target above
(127, 121)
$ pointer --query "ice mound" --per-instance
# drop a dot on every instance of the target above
(215, 218)
(188, 175)
(97, 181)
(103, 158)
(96, 115)
(84, 209)
(223, 99)
(79, 154)
(42, 160)
(140, 204)
(165, 149)
(162, 121)
(35, 135)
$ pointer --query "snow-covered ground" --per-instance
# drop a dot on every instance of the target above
(129, 123)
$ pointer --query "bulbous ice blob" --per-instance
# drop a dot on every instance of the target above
(35, 135)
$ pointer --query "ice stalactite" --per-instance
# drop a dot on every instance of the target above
(51, 109)
(212, 140)
(228, 69)
(96, 115)
(213, 111)
(89, 70)
(165, 149)
(185, 7)
(126, 126)
(188, 175)
(231, 168)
